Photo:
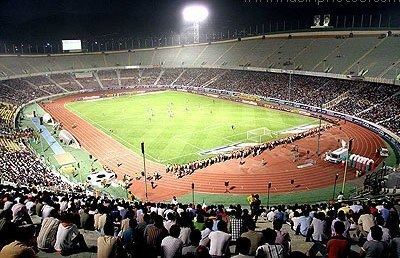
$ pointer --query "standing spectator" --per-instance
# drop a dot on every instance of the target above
(255, 207)
(172, 245)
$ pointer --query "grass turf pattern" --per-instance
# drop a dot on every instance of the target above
(178, 126)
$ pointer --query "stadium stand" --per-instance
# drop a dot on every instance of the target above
(31, 194)
(135, 229)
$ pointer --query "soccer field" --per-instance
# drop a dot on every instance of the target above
(179, 127)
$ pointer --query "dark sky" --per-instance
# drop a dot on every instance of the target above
(26, 20)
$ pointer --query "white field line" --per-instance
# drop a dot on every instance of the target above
(107, 132)
(213, 127)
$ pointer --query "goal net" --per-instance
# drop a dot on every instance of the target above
(259, 135)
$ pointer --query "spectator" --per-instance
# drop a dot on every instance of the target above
(254, 237)
(68, 238)
(109, 246)
(242, 248)
(172, 245)
(22, 246)
(374, 248)
(338, 246)
(47, 235)
(219, 240)
(195, 237)
(269, 249)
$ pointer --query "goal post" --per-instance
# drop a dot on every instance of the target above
(258, 135)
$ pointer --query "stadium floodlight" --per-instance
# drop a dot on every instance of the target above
(195, 14)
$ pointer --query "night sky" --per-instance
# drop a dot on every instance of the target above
(24, 20)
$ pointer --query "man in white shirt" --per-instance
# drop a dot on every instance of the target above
(318, 224)
(219, 240)
(304, 223)
(171, 245)
(208, 224)
(68, 238)
(170, 221)
(46, 210)
(271, 215)
(385, 231)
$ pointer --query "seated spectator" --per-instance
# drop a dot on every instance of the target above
(317, 226)
(385, 232)
(195, 237)
(282, 236)
(199, 222)
(342, 218)
(48, 231)
(170, 220)
(22, 246)
(86, 219)
(206, 232)
(338, 246)
(236, 225)
(254, 237)
(7, 228)
(129, 235)
(242, 248)
(153, 235)
(269, 249)
(185, 224)
(304, 224)
(394, 247)
(109, 246)
(68, 239)
(374, 248)
(365, 222)
(171, 245)
(219, 240)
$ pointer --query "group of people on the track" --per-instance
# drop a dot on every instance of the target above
(181, 170)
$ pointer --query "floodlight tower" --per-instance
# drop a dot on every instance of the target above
(195, 14)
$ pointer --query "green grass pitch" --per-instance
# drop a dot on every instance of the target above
(177, 126)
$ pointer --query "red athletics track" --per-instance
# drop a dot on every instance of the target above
(251, 177)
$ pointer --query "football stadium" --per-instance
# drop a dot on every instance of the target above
(257, 136)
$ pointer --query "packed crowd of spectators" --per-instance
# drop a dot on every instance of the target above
(66, 81)
(108, 78)
(32, 220)
(371, 101)
(181, 170)
(169, 76)
(129, 77)
(25, 168)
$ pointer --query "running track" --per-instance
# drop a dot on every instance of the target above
(251, 177)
